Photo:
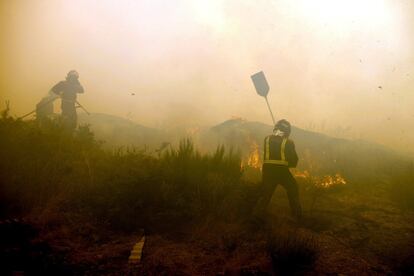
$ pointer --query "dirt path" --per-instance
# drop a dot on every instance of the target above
(350, 238)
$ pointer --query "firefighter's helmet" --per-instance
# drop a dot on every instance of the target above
(72, 74)
(283, 125)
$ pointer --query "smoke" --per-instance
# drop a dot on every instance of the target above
(346, 72)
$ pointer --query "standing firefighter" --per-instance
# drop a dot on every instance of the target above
(68, 90)
(279, 156)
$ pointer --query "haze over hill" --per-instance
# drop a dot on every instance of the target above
(117, 132)
(343, 68)
(355, 159)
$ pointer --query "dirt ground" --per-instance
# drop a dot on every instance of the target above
(350, 234)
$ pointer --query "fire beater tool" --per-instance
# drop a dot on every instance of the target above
(262, 88)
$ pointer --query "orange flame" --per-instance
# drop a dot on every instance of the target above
(304, 174)
(322, 182)
(253, 160)
(254, 157)
(330, 181)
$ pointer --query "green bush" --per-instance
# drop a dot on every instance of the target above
(123, 187)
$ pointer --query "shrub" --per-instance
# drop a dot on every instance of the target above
(122, 187)
(292, 252)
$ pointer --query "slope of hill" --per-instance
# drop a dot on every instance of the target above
(116, 131)
(356, 159)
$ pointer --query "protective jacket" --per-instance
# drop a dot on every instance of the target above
(68, 89)
(280, 151)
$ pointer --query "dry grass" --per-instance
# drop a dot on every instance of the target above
(78, 191)
(292, 252)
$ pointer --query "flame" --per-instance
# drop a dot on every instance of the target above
(254, 157)
(253, 160)
(322, 182)
(330, 181)
(304, 174)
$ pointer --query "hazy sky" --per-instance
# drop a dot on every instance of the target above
(345, 68)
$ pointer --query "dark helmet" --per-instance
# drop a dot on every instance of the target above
(283, 125)
(72, 74)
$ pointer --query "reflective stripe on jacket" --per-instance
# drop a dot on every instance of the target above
(279, 151)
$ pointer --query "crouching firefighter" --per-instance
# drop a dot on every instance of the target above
(279, 156)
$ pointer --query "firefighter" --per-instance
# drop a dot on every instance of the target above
(279, 156)
(68, 90)
(44, 109)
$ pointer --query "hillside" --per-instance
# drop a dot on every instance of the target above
(116, 131)
(242, 135)
(355, 159)
(70, 207)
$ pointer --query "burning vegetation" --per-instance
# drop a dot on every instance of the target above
(84, 206)
(253, 158)
(322, 182)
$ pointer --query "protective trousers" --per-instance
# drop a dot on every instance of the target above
(272, 175)
(69, 114)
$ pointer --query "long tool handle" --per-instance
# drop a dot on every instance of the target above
(84, 109)
(31, 112)
(24, 116)
(271, 113)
